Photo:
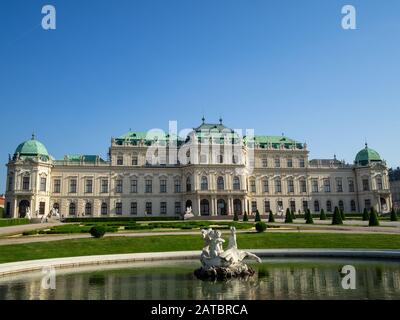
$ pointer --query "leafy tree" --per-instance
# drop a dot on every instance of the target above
(342, 214)
(271, 217)
(373, 218)
(288, 217)
(322, 215)
(365, 215)
(235, 216)
(257, 218)
(337, 217)
(245, 217)
(393, 215)
(309, 218)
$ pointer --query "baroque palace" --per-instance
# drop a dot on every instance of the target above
(153, 174)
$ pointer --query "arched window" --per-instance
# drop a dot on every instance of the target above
(329, 206)
(72, 209)
(316, 206)
(236, 183)
(220, 183)
(341, 205)
(104, 208)
(88, 208)
(188, 184)
(353, 205)
(204, 183)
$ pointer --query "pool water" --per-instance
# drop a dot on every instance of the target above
(174, 280)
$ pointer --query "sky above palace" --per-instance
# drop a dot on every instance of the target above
(275, 66)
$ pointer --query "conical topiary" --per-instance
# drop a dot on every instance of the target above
(342, 214)
(271, 217)
(322, 215)
(373, 218)
(365, 215)
(309, 218)
(393, 215)
(245, 217)
(337, 217)
(257, 218)
(288, 217)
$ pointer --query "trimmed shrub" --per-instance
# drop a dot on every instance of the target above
(235, 217)
(13, 222)
(257, 218)
(261, 226)
(245, 217)
(342, 215)
(365, 215)
(123, 219)
(373, 218)
(288, 217)
(322, 215)
(337, 217)
(393, 215)
(271, 217)
(309, 218)
(98, 231)
(30, 233)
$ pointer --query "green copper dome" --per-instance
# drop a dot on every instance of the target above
(32, 147)
(367, 155)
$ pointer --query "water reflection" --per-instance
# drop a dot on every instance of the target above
(276, 279)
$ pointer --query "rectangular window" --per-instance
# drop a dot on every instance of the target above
(134, 160)
(120, 160)
(89, 186)
(149, 186)
(42, 206)
(277, 162)
(57, 186)
(148, 208)
(178, 208)
(293, 206)
(265, 186)
(339, 185)
(327, 185)
(177, 186)
(315, 186)
(367, 204)
(8, 209)
(278, 186)
(253, 206)
(43, 183)
(253, 186)
(267, 206)
(289, 163)
(290, 186)
(302, 163)
(104, 186)
(134, 208)
(104, 209)
(303, 186)
(118, 208)
(133, 186)
(365, 185)
(353, 205)
(163, 186)
(118, 186)
(72, 186)
(379, 183)
(163, 207)
(265, 163)
(25, 183)
(351, 185)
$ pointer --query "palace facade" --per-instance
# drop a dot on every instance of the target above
(153, 174)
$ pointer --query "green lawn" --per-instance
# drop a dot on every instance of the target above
(81, 247)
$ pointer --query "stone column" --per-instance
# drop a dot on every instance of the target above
(198, 207)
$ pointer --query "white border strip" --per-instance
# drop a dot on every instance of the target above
(70, 262)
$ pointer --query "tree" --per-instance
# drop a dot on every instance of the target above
(342, 214)
(309, 218)
(322, 215)
(257, 218)
(393, 215)
(337, 217)
(373, 218)
(288, 217)
(271, 217)
(235, 216)
(245, 217)
(365, 215)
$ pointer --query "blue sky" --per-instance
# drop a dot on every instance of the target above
(276, 66)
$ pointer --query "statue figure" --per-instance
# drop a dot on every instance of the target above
(188, 213)
(28, 213)
(220, 264)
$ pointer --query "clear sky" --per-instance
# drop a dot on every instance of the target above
(276, 66)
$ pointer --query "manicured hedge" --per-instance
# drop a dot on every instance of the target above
(13, 222)
(124, 219)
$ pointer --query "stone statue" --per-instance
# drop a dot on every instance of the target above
(220, 264)
(28, 213)
(188, 213)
